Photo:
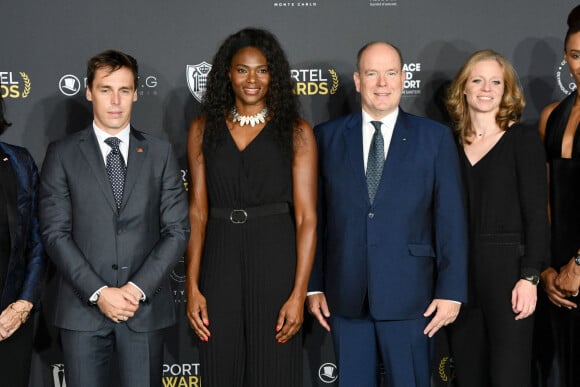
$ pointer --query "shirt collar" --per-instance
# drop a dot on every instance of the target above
(123, 135)
(388, 120)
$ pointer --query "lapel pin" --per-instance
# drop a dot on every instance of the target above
(139, 150)
(5, 159)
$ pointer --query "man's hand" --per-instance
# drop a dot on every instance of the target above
(318, 307)
(447, 312)
(568, 281)
(555, 296)
(118, 304)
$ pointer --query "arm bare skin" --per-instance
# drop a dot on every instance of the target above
(305, 180)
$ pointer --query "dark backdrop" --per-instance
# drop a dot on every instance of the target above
(45, 46)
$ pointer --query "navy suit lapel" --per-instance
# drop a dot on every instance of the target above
(138, 151)
(92, 153)
(354, 149)
(397, 153)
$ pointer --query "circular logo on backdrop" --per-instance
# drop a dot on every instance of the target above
(328, 373)
(178, 273)
(69, 85)
(565, 79)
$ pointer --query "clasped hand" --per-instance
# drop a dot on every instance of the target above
(119, 304)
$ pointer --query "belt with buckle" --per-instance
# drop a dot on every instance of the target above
(241, 215)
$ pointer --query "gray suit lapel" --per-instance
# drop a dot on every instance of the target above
(90, 150)
(138, 151)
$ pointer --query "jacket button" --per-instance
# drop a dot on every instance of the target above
(115, 267)
(371, 215)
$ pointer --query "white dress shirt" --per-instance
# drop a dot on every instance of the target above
(368, 130)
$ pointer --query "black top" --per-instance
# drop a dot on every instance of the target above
(507, 194)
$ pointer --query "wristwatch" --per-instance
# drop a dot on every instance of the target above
(534, 279)
(577, 259)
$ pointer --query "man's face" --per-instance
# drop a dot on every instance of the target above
(112, 95)
(379, 80)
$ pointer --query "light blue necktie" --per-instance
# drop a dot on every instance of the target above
(375, 161)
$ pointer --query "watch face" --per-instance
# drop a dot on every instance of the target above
(577, 259)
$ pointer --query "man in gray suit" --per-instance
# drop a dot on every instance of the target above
(114, 229)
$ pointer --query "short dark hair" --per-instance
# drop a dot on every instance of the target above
(111, 60)
(363, 49)
(3, 123)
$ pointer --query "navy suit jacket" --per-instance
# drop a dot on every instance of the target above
(27, 262)
(93, 244)
(410, 245)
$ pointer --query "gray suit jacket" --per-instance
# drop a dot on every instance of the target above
(93, 244)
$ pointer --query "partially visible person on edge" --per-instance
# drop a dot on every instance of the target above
(559, 123)
(22, 259)
(392, 245)
(113, 217)
(252, 161)
(504, 171)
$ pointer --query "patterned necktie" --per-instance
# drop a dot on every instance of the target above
(375, 161)
(116, 169)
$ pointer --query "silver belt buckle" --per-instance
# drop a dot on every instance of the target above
(238, 216)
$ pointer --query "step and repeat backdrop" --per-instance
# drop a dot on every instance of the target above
(45, 46)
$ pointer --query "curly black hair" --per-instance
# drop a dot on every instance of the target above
(3, 123)
(219, 99)
(573, 22)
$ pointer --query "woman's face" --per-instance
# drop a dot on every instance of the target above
(250, 77)
(485, 86)
(572, 56)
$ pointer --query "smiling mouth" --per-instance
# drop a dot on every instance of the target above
(251, 91)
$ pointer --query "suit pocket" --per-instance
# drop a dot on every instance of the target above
(421, 250)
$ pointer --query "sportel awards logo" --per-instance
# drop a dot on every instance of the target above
(565, 79)
(14, 84)
(196, 76)
(446, 370)
(181, 375)
(328, 373)
(315, 81)
(412, 84)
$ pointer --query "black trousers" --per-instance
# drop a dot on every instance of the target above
(15, 356)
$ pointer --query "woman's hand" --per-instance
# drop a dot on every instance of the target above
(13, 317)
(197, 315)
(555, 295)
(524, 298)
(290, 319)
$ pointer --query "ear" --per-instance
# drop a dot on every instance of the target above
(89, 94)
(135, 96)
(356, 77)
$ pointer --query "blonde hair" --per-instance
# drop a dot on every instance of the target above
(511, 105)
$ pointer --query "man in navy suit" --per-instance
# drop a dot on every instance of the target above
(114, 219)
(391, 255)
